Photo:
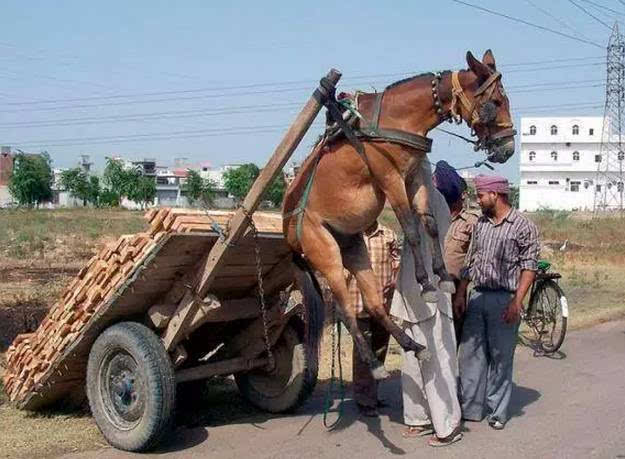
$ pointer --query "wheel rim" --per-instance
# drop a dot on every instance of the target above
(122, 390)
(548, 321)
(273, 383)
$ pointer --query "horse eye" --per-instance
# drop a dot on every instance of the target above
(497, 103)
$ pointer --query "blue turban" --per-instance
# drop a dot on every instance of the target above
(448, 182)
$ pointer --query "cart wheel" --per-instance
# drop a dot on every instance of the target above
(288, 385)
(131, 387)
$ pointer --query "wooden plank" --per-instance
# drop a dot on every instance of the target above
(225, 367)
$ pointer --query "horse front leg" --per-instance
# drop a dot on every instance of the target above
(421, 203)
(357, 262)
(404, 212)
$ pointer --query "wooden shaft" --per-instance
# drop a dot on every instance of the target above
(177, 328)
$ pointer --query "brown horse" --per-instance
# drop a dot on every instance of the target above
(348, 191)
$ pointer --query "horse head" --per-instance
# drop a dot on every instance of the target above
(483, 104)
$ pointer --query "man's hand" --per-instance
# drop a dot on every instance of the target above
(459, 304)
(512, 314)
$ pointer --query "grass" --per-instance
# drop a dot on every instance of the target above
(41, 250)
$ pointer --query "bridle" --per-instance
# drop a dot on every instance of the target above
(481, 112)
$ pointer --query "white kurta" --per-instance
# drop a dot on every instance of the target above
(429, 388)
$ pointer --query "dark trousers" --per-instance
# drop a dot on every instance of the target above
(486, 356)
(365, 387)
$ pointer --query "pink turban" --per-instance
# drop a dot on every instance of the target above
(493, 183)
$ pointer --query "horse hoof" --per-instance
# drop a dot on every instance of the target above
(424, 355)
(429, 296)
(379, 372)
(447, 287)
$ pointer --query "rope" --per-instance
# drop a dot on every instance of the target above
(336, 330)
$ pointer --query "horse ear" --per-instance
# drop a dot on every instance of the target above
(481, 70)
(489, 59)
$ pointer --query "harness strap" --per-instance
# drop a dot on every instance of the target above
(416, 141)
(301, 206)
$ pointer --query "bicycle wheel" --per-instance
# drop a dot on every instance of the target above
(550, 315)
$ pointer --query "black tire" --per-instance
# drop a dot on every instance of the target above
(131, 387)
(549, 315)
(288, 385)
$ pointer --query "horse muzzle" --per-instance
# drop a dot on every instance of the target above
(501, 147)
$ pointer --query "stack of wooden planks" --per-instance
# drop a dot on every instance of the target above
(32, 356)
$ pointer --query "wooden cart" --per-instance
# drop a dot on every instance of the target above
(209, 294)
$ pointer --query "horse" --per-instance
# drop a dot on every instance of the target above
(340, 190)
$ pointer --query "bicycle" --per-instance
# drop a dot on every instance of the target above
(547, 311)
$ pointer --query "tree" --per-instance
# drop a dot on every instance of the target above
(119, 180)
(275, 193)
(239, 180)
(143, 190)
(513, 196)
(77, 183)
(94, 191)
(197, 189)
(32, 178)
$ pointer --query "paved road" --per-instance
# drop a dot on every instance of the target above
(571, 407)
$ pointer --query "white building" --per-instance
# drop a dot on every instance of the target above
(559, 161)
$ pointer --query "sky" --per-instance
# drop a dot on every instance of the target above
(222, 81)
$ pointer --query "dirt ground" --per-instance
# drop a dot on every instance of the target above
(40, 251)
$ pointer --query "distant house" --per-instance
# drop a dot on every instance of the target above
(6, 170)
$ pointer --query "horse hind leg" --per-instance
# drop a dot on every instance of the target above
(324, 255)
(356, 260)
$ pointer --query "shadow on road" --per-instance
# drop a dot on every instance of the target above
(522, 397)
(218, 402)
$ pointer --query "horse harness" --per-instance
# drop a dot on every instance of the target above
(344, 119)
(481, 112)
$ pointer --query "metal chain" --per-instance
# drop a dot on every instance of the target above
(261, 291)
(336, 348)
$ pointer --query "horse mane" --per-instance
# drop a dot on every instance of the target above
(409, 79)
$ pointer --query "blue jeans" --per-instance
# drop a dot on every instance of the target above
(485, 357)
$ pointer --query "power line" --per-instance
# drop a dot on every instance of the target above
(590, 14)
(211, 132)
(242, 93)
(555, 18)
(604, 7)
(258, 108)
(261, 85)
(522, 21)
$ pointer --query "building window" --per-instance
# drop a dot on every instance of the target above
(575, 129)
(532, 182)
(554, 182)
(620, 156)
(598, 188)
(532, 130)
(591, 131)
(554, 155)
(575, 186)
(532, 155)
(576, 156)
(619, 187)
(597, 158)
(554, 129)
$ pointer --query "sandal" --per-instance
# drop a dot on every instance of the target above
(417, 431)
(453, 437)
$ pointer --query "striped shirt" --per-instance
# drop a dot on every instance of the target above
(499, 252)
(384, 254)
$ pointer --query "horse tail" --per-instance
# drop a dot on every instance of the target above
(314, 310)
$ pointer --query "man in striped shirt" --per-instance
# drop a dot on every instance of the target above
(501, 264)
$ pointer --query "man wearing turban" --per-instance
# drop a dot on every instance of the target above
(501, 264)
(453, 188)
